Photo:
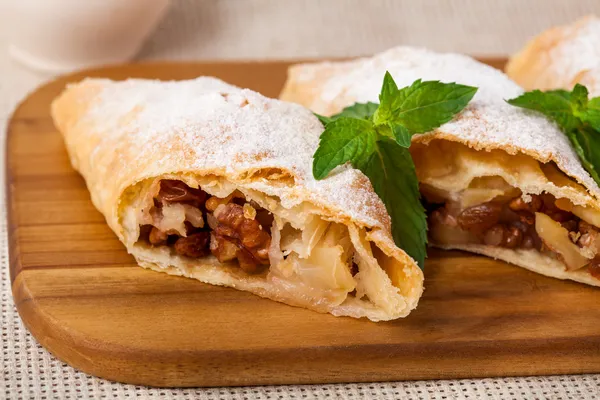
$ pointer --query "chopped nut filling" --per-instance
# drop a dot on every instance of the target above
(195, 224)
(245, 233)
(544, 223)
(194, 245)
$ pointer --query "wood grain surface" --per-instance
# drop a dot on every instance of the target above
(84, 299)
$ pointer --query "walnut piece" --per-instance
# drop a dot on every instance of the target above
(194, 245)
(222, 248)
(247, 234)
(238, 230)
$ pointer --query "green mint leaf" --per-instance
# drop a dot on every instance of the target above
(553, 104)
(578, 117)
(579, 97)
(344, 139)
(424, 106)
(388, 89)
(375, 139)
(401, 134)
(397, 132)
(391, 171)
(586, 143)
(358, 110)
(561, 92)
(594, 103)
(592, 114)
(324, 120)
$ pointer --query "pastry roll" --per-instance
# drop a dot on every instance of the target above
(497, 180)
(560, 57)
(209, 181)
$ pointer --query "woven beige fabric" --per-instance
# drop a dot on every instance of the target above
(338, 28)
(214, 29)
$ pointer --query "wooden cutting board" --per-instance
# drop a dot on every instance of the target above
(84, 299)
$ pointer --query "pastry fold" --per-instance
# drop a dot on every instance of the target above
(496, 180)
(560, 57)
(209, 181)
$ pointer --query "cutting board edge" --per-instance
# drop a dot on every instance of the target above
(91, 357)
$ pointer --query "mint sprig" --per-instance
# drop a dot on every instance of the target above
(375, 139)
(576, 115)
(422, 106)
(357, 110)
(348, 139)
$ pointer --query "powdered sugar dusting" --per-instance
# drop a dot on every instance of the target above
(577, 54)
(156, 127)
(488, 122)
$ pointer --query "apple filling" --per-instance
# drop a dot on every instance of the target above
(544, 224)
(211, 221)
(487, 198)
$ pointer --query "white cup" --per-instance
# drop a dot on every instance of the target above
(63, 35)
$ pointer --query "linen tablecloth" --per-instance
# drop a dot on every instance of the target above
(258, 29)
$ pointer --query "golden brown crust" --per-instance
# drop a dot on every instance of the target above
(560, 57)
(488, 125)
(304, 85)
(122, 135)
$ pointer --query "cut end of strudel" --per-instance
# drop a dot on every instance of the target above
(496, 180)
(209, 181)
